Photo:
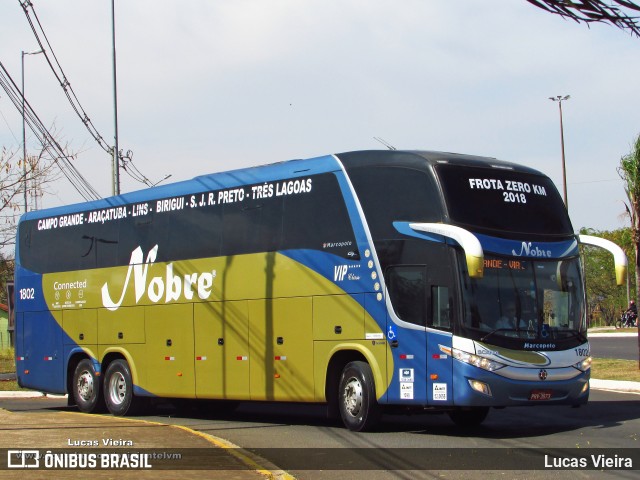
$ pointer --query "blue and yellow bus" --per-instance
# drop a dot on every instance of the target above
(369, 281)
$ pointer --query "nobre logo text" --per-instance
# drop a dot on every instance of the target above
(171, 287)
(530, 250)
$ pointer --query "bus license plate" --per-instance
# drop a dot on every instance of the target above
(540, 395)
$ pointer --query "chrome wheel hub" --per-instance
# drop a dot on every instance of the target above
(85, 386)
(353, 397)
(117, 388)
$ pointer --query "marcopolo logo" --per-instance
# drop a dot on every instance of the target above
(170, 286)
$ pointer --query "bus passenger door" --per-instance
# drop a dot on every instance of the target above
(406, 285)
(439, 362)
(422, 368)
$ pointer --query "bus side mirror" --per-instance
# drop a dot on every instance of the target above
(467, 240)
(619, 257)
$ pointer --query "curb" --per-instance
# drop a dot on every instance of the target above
(615, 385)
(612, 334)
(252, 463)
(28, 394)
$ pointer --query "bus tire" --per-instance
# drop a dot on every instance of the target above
(118, 390)
(86, 388)
(359, 408)
(468, 418)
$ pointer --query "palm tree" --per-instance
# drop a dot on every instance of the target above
(629, 171)
(588, 11)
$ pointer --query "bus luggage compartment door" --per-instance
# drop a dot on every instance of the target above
(43, 353)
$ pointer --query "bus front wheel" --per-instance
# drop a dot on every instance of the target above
(118, 389)
(86, 388)
(471, 417)
(359, 408)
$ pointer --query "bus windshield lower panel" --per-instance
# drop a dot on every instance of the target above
(523, 302)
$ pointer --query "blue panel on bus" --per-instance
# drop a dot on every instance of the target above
(43, 354)
(528, 249)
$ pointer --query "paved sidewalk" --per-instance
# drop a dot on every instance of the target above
(78, 432)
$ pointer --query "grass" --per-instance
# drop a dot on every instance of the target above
(611, 369)
(11, 386)
(613, 329)
(8, 365)
(7, 361)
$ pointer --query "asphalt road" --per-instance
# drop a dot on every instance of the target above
(620, 347)
(299, 439)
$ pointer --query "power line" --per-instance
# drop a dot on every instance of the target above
(60, 76)
(125, 161)
(46, 139)
(596, 181)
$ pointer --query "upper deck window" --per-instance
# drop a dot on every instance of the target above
(284, 214)
(390, 194)
(503, 200)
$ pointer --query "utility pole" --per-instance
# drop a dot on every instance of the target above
(24, 133)
(560, 99)
(116, 160)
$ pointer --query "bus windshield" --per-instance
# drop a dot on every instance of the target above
(527, 301)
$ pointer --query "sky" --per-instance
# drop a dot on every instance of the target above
(207, 86)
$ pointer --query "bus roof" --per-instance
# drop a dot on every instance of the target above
(282, 170)
(421, 158)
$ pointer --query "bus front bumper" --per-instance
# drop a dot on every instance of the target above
(474, 386)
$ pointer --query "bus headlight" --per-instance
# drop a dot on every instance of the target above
(476, 361)
(481, 387)
(584, 365)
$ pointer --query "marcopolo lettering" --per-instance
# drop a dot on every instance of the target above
(539, 346)
(172, 287)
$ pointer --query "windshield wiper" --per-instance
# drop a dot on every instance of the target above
(498, 330)
(574, 333)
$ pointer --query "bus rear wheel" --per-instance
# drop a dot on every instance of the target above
(118, 390)
(87, 388)
(359, 408)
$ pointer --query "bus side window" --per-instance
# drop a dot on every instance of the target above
(407, 291)
(440, 309)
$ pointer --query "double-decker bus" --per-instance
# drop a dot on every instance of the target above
(365, 280)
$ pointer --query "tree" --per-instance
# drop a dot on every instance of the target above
(629, 171)
(18, 177)
(20, 180)
(6, 275)
(589, 11)
(604, 297)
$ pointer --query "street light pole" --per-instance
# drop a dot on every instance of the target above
(24, 132)
(116, 159)
(560, 99)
